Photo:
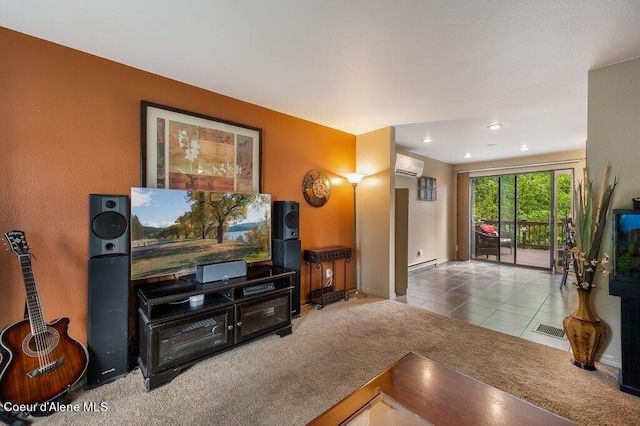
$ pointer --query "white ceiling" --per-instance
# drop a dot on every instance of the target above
(439, 68)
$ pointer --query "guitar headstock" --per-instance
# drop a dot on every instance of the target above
(17, 242)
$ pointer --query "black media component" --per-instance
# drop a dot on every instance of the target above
(107, 324)
(286, 220)
(288, 254)
(108, 284)
(251, 290)
(109, 225)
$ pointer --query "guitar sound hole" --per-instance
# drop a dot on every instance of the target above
(42, 343)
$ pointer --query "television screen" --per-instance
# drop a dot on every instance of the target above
(626, 242)
(174, 230)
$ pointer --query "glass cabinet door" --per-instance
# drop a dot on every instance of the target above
(258, 316)
(183, 340)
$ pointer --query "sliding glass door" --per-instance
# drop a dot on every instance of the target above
(514, 216)
(534, 193)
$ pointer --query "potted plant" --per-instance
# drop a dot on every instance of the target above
(583, 328)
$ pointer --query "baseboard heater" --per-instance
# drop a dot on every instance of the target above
(425, 264)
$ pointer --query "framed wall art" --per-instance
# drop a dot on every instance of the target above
(186, 150)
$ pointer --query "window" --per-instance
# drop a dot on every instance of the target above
(427, 188)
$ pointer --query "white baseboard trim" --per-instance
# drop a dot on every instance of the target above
(374, 293)
(611, 361)
(425, 264)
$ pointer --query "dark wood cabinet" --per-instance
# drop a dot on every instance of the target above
(183, 321)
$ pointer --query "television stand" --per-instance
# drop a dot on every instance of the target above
(183, 321)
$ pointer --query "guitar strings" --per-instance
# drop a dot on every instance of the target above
(33, 305)
(39, 332)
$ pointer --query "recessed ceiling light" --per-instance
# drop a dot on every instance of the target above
(426, 140)
(524, 147)
(467, 155)
(494, 126)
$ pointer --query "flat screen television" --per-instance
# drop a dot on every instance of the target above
(626, 245)
(174, 230)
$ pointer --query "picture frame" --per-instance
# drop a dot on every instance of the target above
(186, 150)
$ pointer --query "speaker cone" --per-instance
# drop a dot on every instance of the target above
(109, 225)
(291, 219)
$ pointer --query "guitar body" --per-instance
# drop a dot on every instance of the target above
(40, 368)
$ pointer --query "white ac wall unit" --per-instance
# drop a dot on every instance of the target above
(408, 166)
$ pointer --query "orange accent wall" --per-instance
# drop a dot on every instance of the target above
(70, 127)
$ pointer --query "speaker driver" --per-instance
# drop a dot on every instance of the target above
(291, 219)
(109, 225)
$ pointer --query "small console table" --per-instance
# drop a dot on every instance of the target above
(183, 321)
(319, 256)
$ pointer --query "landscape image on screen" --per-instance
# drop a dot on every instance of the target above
(627, 246)
(173, 230)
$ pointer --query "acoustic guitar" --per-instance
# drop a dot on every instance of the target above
(43, 360)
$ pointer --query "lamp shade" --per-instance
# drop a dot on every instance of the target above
(355, 178)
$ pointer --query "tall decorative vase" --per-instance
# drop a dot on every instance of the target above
(585, 332)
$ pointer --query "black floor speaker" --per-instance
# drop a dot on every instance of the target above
(288, 254)
(108, 319)
(108, 310)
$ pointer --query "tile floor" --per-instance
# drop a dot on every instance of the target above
(504, 298)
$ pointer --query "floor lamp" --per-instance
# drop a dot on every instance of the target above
(354, 179)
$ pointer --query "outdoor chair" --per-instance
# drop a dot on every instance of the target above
(488, 240)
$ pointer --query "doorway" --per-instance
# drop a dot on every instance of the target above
(516, 218)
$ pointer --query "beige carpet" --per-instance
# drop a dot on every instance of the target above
(291, 380)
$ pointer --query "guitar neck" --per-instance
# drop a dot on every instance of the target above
(36, 319)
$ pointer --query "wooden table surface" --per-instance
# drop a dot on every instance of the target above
(441, 396)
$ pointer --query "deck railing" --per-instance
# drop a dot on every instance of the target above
(529, 234)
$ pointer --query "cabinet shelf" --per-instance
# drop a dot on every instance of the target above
(172, 298)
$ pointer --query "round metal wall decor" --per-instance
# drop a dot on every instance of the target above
(316, 188)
